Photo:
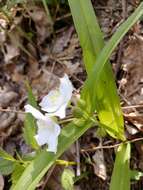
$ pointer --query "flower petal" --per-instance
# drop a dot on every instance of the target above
(52, 144)
(48, 132)
(56, 101)
(52, 101)
(61, 112)
(66, 88)
(36, 113)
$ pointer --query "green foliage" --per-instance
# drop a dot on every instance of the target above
(17, 172)
(67, 179)
(111, 108)
(29, 130)
(31, 97)
(6, 156)
(106, 104)
(6, 166)
(36, 170)
(121, 173)
(135, 175)
(30, 122)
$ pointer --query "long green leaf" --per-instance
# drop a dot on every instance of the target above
(104, 99)
(94, 80)
(36, 170)
(121, 173)
(30, 122)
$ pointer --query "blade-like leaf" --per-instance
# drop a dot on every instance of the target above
(106, 104)
(121, 173)
(36, 170)
(108, 49)
(6, 166)
(30, 122)
(17, 172)
(6, 156)
(29, 131)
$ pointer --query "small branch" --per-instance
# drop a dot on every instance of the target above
(47, 177)
(111, 146)
(78, 173)
(132, 106)
(12, 111)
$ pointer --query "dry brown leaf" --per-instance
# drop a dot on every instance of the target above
(62, 42)
(99, 164)
(133, 64)
(43, 24)
(11, 52)
(43, 83)
(7, 97)
(6, 119)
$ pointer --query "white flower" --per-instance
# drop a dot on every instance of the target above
(48, 130)
(56, 101)
(54, 104)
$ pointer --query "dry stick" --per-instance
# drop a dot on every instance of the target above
(13, 111)
(111, 146)
(78, 158)
(47, 177)
(132, 106)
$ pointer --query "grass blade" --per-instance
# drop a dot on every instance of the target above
(111, 45)
(106, 104)
(121, 173)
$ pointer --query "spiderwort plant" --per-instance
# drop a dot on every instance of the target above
(92, 42)
(54, 104)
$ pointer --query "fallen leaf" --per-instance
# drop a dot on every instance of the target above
(133, 64)
(99, 164)
(62, 41)
(7, 97)
(43, 23)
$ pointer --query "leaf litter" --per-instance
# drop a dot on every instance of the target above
(32, 49)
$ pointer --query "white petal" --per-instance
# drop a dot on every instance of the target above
(52, 144)
(66, 88)
(52, 101)
(56, 101)
(48, 132)
(61, 112)
(36, 113)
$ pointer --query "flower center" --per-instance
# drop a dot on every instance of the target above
(54, 97)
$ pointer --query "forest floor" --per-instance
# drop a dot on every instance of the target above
(40, 49)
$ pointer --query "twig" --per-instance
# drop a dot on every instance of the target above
(63, 17)
(47, 177)
(78, 158)
(13, 111)
(111, 146)
(132, 106)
